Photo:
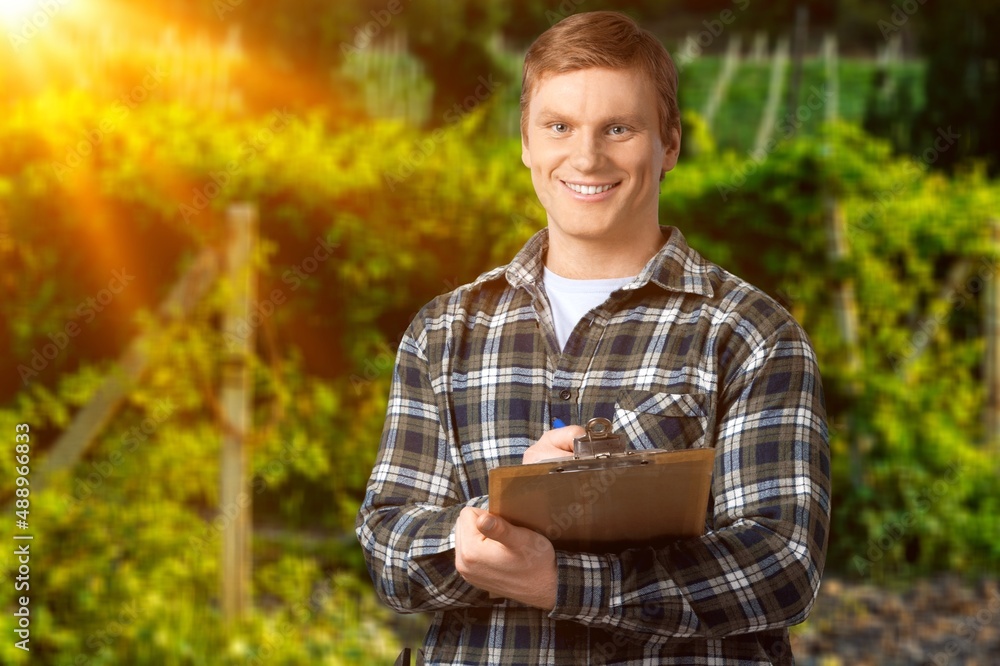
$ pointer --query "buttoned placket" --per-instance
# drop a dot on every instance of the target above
(573, 363)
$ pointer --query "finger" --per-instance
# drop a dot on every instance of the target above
(472, 512)
(468, 523)
(492, 527)
(562, 438)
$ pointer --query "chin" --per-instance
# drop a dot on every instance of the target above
(590, 231)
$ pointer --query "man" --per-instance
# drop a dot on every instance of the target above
(603, 313)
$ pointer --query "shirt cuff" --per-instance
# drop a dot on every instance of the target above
(586, 584)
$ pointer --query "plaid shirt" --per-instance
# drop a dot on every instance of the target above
(686, 355)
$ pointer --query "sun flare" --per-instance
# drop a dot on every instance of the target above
(14, 12)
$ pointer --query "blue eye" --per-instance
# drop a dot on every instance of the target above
(619, 130)
(559, 128)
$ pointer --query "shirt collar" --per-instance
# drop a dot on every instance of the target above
(676, 267)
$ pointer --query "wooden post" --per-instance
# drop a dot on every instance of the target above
(846, 311)
(832, 77)
(236, 397)
(759, 51)
(777, 83)
(845, 306)
(992, 370)
(798, 53)
(729, 66)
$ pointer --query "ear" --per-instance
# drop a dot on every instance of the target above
(525, 153)
(671, 150)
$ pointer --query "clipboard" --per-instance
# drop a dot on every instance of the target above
(607, 498)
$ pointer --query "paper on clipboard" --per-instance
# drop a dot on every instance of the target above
(610, 502)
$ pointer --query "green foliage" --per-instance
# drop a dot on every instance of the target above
(907, 499)
(359, 228)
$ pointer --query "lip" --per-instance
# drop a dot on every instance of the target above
(591, 198)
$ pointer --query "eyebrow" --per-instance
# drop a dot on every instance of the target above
(547, 116)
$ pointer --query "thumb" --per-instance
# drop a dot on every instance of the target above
(491, 527)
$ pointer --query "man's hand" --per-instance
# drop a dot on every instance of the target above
(556, 443)
(509, 561)
(505, 560)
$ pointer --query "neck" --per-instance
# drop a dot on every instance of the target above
(598, 259)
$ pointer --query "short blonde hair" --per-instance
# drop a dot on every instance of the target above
(602, 39)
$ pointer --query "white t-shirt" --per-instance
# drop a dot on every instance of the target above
(571, 299)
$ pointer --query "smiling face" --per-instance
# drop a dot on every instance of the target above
(596, 156)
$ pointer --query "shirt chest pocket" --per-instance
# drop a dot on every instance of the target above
(652, 420)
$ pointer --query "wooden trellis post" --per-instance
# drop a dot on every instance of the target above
(832, 76)
(235, 506)
(798, 53)
(846, 311)
(729, 65)
(774, 88)
(992, 370)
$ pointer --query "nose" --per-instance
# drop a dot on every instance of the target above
(586, 154)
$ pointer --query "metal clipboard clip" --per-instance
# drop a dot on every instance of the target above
(600, 449)
(599, 442)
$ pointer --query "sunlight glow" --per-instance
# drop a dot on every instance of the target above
(15, 12)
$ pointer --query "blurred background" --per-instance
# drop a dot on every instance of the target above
(218, 218)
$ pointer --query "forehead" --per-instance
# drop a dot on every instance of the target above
(592, 90)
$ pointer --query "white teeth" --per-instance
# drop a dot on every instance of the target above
(589, 189)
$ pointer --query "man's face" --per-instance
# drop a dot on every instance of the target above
(595, 153)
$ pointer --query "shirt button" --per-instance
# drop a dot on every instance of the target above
(565, 394)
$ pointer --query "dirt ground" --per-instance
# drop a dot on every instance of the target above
(941, 621)
(937, 622)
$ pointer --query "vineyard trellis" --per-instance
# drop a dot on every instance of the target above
(394, 84)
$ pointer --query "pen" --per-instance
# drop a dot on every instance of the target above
(557, 423)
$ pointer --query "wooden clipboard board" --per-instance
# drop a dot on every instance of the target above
(609, 502)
